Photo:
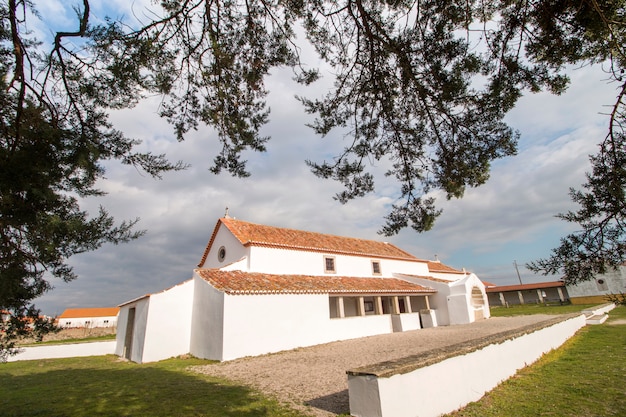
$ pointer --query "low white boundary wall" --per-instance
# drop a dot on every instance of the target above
(444, 380)
(602, 309)
(64, 351)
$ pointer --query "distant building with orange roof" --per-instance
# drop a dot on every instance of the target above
(534, 293)
(89, 317)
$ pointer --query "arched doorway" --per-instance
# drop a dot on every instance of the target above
(478, 303)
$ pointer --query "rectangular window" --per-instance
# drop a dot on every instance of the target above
(329, 264)
(376, 268)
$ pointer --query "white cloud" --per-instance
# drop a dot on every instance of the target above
(509, 218)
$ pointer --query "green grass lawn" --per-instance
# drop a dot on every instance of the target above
(584, 378)
(107, 386)
(526, 309)
(86, 339)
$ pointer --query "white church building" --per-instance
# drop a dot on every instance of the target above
(261, 289)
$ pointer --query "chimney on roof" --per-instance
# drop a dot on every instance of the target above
(437, 258)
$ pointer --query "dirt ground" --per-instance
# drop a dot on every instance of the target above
(314, 380)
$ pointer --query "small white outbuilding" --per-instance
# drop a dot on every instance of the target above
(261, 289)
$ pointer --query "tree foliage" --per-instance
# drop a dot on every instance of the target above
(600, 244)
(54, 137)
(421, 87)
(592, 32)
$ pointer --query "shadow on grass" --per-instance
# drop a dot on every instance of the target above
(125, 390)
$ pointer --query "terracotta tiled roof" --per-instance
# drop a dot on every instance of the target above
(239, 282)
(436, 266)
(72, 313)
(251, 234)
(524, 287)
(429, 278)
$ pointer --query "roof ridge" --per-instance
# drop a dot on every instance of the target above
(394, 252)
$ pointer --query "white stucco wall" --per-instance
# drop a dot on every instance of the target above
(438, 301)
(614, 280)
(168, 328)
(260, 324)
(282, 261)
(406, 322)
(141, 307)
(162, 324)
(234, 249)
(450, 384)
(460, 308)
(207, 326)
(453, 301)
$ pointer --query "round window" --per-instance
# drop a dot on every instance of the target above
(601, 281)
(221, 254)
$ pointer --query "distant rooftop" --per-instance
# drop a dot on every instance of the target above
(72, 313)
(525, 287)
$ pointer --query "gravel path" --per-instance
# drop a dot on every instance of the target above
(314, 380)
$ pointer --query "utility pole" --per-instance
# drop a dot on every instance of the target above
(518, 276)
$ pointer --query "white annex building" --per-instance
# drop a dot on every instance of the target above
(261, 289)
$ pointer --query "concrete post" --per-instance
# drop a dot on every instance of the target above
(378, 305)
(407, 304)
(340, 308)
(395, 305)
(540, 296)
(360, 306)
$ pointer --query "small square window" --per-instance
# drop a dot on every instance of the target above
(329, 264)
(376, 268)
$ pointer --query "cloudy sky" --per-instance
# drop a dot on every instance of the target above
(509, 219)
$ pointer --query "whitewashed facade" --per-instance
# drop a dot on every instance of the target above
(597, 289)
(260, 289)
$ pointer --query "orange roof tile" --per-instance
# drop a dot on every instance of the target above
(436, 266)
(239, 282)
(523, 287)
(72, 313)
(251, 234)
(430, 278)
